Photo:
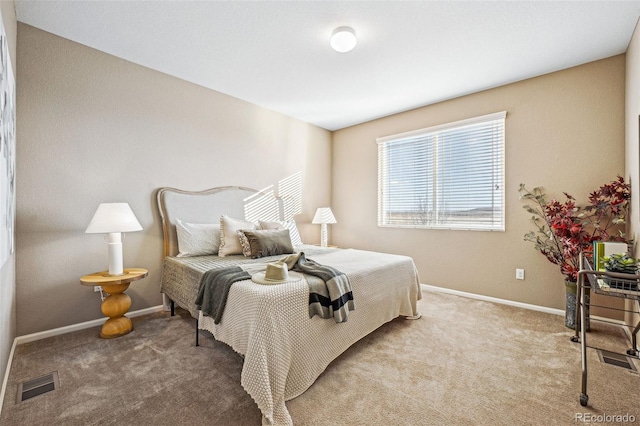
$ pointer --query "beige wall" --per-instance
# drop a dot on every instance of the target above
(94, 128)
(564, 131)
(7, 272)
(632, 136)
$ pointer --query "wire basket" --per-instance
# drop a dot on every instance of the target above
(621, 284)
(618, 286)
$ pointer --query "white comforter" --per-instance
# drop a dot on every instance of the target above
(285, 350)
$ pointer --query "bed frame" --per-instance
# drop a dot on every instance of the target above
(279, 339)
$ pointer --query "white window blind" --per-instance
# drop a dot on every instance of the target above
(449, 176)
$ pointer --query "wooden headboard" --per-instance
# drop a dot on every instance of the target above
(203, 207)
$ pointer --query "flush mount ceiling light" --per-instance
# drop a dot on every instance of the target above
(343, 39)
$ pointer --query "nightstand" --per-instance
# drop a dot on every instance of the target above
(116, 304)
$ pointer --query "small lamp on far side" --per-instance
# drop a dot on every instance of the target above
(113, 219)
(323, 216)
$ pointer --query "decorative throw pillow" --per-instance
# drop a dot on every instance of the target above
(197, 239)
(288, 224)
(268, 243)
(246, 248)
(229, 240)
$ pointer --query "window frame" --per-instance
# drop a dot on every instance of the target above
(431, 132)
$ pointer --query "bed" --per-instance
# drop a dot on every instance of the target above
(284, 349)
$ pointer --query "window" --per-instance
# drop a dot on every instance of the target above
(446, 177)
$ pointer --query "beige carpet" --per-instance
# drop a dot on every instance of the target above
(465, 362)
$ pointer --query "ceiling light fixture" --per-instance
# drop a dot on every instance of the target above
(343, 39)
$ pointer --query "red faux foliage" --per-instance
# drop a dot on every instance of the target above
(565, 229)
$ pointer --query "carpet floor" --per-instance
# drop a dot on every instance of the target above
(464, 362)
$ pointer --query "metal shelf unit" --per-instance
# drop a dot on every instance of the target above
(611, 284)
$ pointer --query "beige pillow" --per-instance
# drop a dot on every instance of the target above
(267, 243)
(197, 239)
(287, 224)
(229, 241)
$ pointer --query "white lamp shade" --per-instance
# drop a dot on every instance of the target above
(113, 217)
(324, 215)
(343, 39)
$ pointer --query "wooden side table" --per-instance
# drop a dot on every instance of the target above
(116, 304)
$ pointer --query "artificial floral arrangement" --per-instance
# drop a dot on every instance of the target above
(564, 230)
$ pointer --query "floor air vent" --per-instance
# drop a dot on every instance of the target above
(36, 387)
(616, 359)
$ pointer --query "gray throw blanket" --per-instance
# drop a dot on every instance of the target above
(330, 293)
(214, 289)
(331, 297)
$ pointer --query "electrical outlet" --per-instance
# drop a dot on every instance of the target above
(97, 289)
(519, 274)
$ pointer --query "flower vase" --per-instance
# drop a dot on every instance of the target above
(571, 302)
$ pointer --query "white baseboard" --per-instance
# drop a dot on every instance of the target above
(58, 331)
(518, 304)
(81, 326)
(494, 299)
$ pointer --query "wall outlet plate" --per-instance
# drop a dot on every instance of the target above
(97, 289)
(519, 274)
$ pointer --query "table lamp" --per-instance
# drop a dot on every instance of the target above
(323, 216)
(113, 219)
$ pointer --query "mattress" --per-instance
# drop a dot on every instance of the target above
(181, 275)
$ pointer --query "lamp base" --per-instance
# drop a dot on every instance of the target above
(115, 254)
(324, 235)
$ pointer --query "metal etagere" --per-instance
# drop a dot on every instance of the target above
(608, 284)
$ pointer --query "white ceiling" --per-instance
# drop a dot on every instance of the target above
(276, 54)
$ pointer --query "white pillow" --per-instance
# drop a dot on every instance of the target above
(287, 224)
(229, 240)
(197, 239)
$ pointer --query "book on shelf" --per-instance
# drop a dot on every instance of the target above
(606, 248)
